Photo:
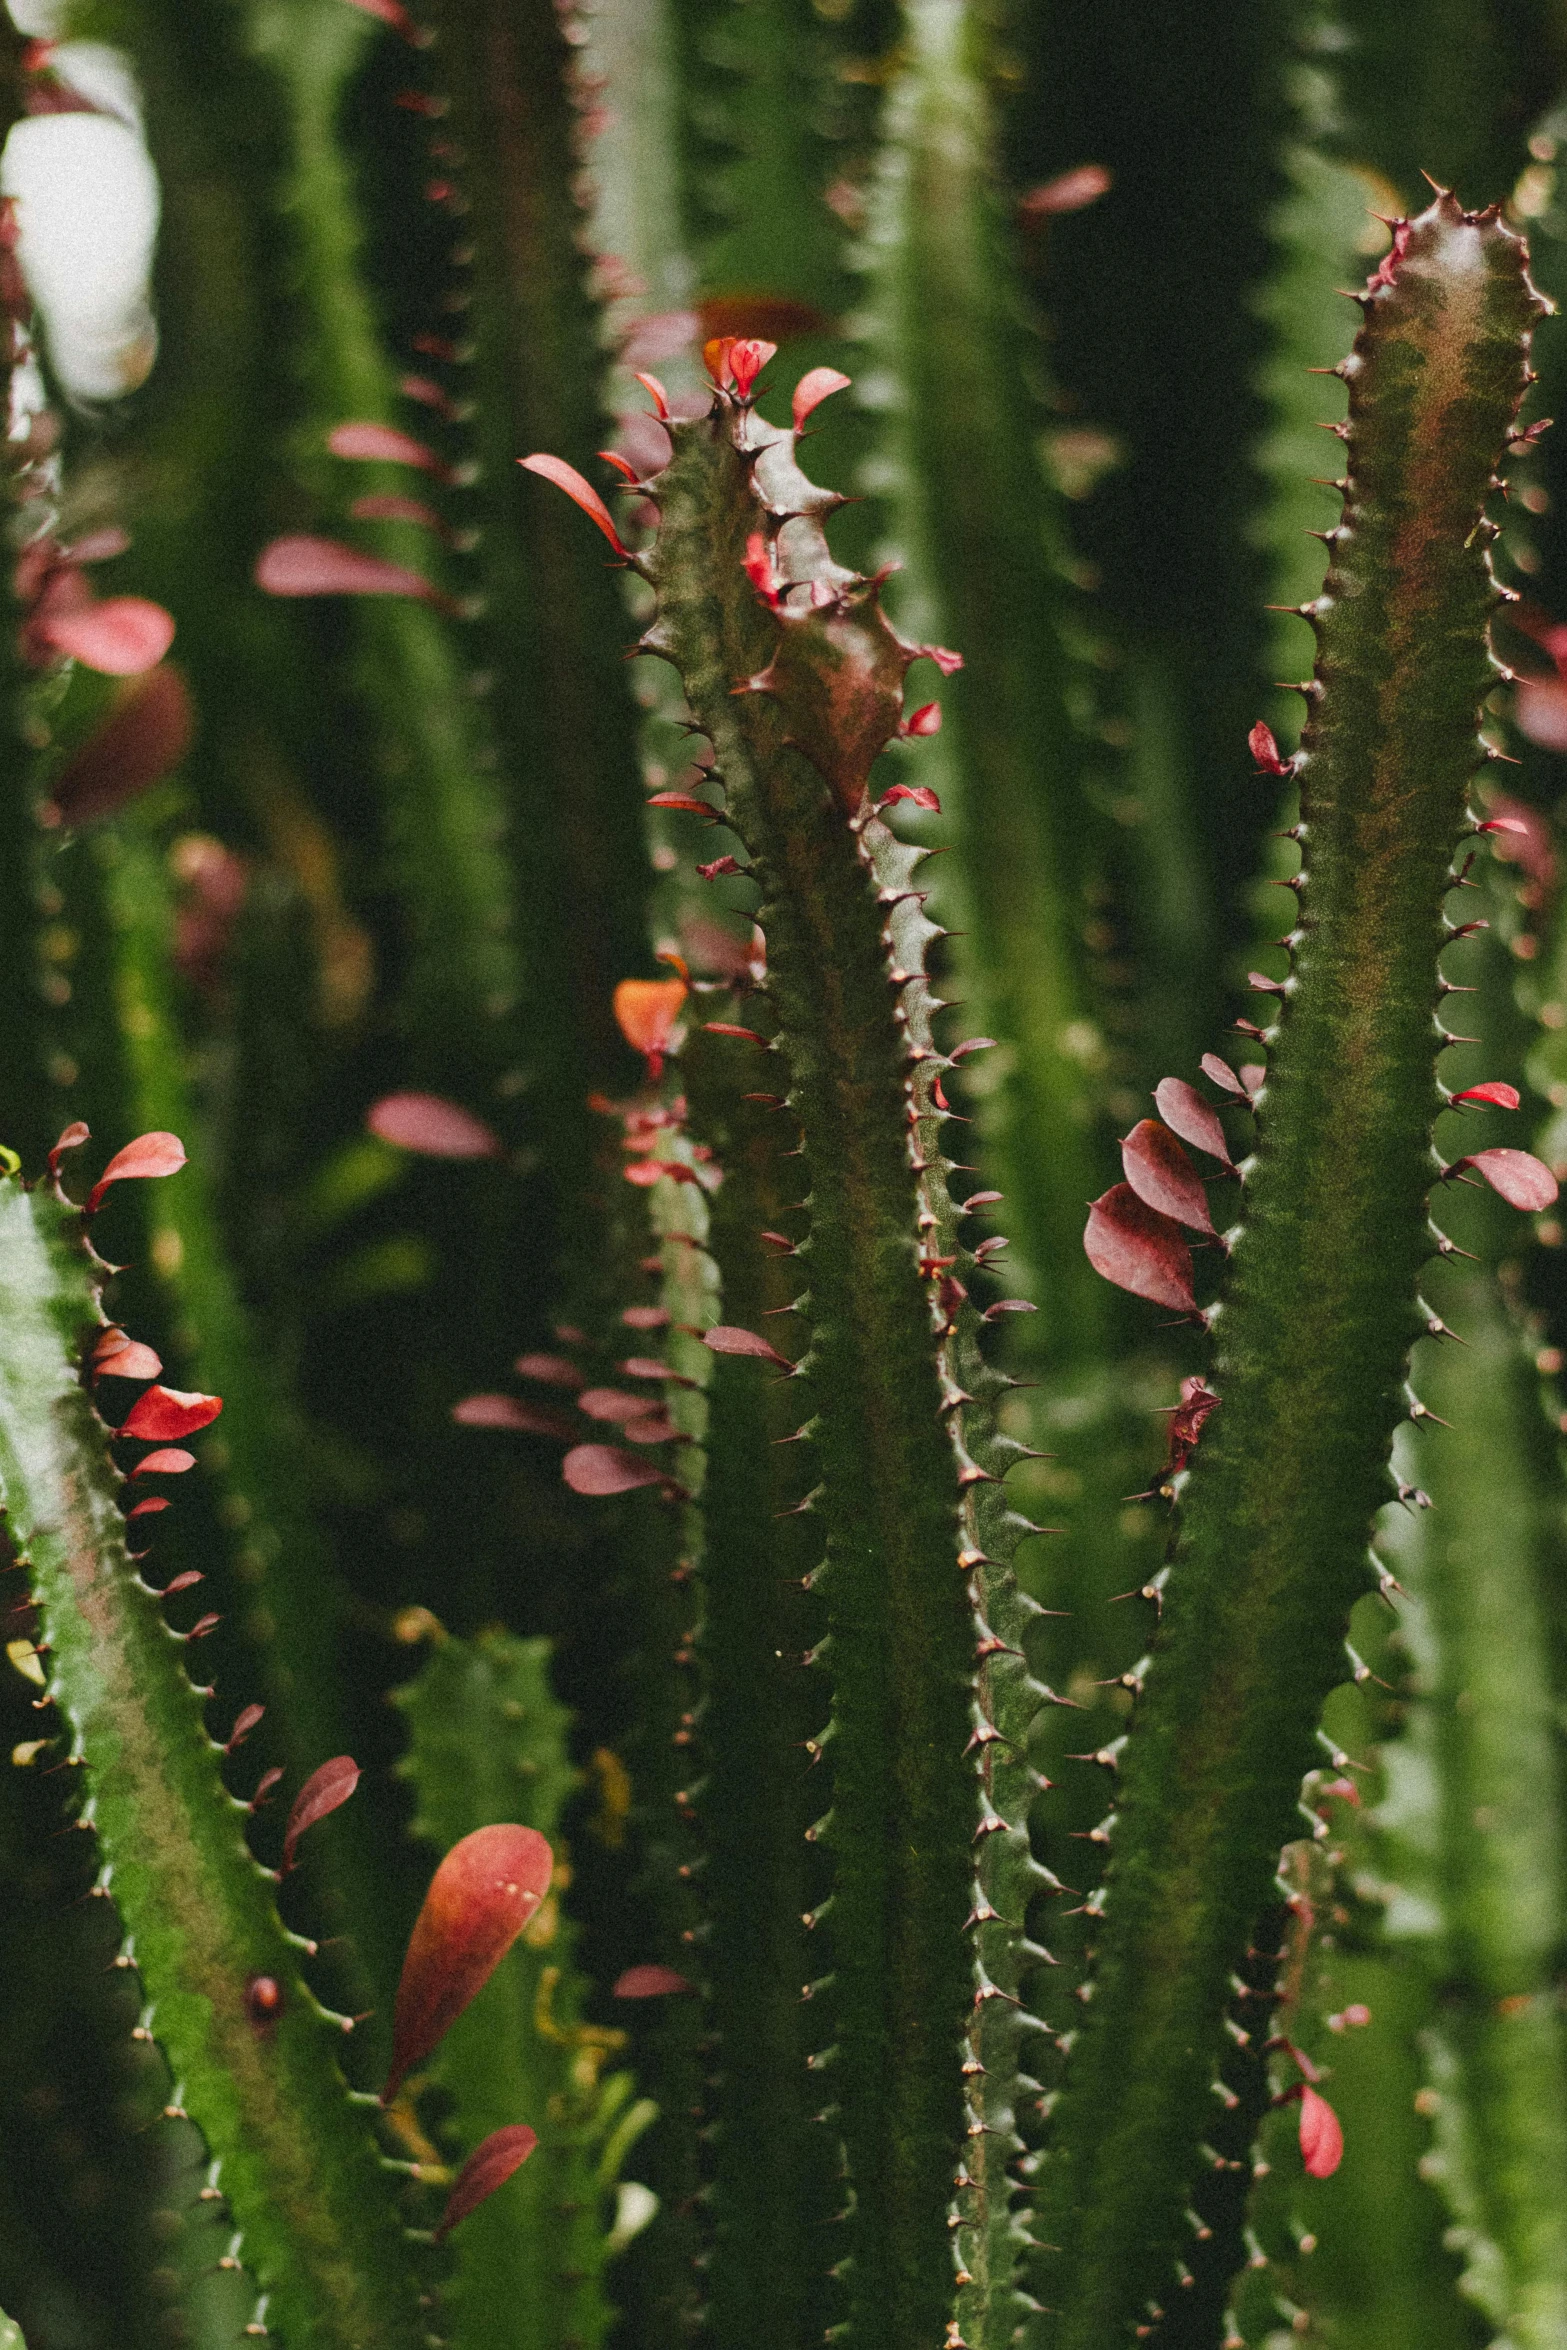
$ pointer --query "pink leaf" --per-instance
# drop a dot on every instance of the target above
(1254, 1076)
(143, 739)
(504, 1411)
(1515, 1176)
(813, 388)
(480, 1898)
(148, 1155)
(644, 1367)
(130, 1361)
(1159, 1171)
(1222, 1075)
(1132, 1245)
(166, 1412)
(432, 1126)
(656, 1317)
(326, 1790)
(654, 1428)
(726, 1339)
(1182, 1107)
(244, 1722)
(747, 358)
(302, 565)
(120, 637)
(489, 2166)
(1265, 750)
(172, 1463)
(1492, 1095)
(925, 720)
(918, 795)
(582, 493)
(390, 509)
(71, 1139)
(384, 443)
(550, 1370)
(1069, 191)
(611, 1403)
(1321, 2138)
(649, 1982)
(143, 1509)
(604, 1468)
(656, 392)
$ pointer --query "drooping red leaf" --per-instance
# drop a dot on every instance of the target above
(1138, 1249)
(918, 795)
(166, 1412)
(480, 1898)
(71, 1139)
(655, 1427)
(148, 1155)
(130, 1361)
(1493, 1095)
(150, 1508)
(432, 1126)
(549, 1370)
(582, 493)
(244, 1722)
(1069, 191)
(649, 1982)
(1321, 2138)
(385, 443)
(143, 739)
(303, 565)
(119, 637)
(1221, 1074)
(600, 1469)
(1182, 1108)
(1515, 1176)
(815, 386)
(1265, 750)
(326, 1790)
(726, 1339)
(1159, 1171)
(611, 1403)
(504, 1411)
(647, 1011)
(170, 1463)
(489, 2166)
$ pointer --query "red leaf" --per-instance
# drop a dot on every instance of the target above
(377, 508)
(656, 392)
(143, 739)
(504, 1411)
(71, 1139)
(649, 1982)
(1515, 1176)
(1222, 1075)
(130, 1361)
(600, 1469)
(726, 1339)
(148, 1155)
(644, 1367)
(1134, 1246)
(432, 1126)
(550, 1370)
(1321, 2138)
(813, 388)
(385, 443)
(656, 1428)
(326, 1790)
(1182, 1107)
(393, 13)
(647, 1011)
(172, 1463)
(1254, 1076)
(1159, 1171)
(611, 1403)
(149, 1508)
(302, 565)
(925, 720)
(489, 2166)
(657, 1317)
(244, 1722)
(582, 493)
(1265, 751)
(1069, 191)
(971, 1044)
(919, 795)
(120, 637)
(480, 1898)
(746, 360)
(693, 807)
(1493, 1094)
(164, 1412)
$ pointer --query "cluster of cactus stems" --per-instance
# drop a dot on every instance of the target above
(597, 1748)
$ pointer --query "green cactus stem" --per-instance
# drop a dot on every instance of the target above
(314, 2218)
(488, 1744)
(1319, 1309)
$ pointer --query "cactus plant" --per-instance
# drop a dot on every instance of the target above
(619, 1372)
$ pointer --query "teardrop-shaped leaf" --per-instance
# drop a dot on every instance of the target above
(143, 739)
(326, 1790)
(649, 1982)
(170, 1463)
(302, 565)
(1183, 1109)
(383, 443)
(1493, 1095)
(815, 386)
(148, 1155)
(1159, 1171)
(432, 1126)
(130, 1361)
(165, 1412)
(489, 2166)
(1222, 1075)
(550, 1370)
(1132, 1245)
(1321, 2137)
(646, 1010)
(119, 638)
(726, 1339)
(604, 1468)
(582, 493)
(1515, 1176)
(504, 1411)
(611, 1403)
(480, 1898)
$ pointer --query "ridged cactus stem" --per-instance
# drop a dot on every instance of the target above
(314, 2217)
(1320, 1302)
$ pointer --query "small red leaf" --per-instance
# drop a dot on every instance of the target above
(655, 1428)
(71, 1139)
(504, 1411)
(747, 358)
(119, 638)
(599, 1469)
(647, 1011)
(302, 565)
(1321, 2138)
(651, 1317)
(644, 1367)
(165, 1412)
(656, 392)
(549, 1370)
(489, 2166)
(582, 493)
(649, 1982)
(480, 1898)
(381, 508)
(972, 1044)
(1221, 1074)
(726, 1339)
(143, 739)
(1263, 748)
(265, 1784)
(925, 720)
(817, 385)
(1182, 1107)
(326, 1790)
(385, 444)
(1515, 1176)
(1254, 1076)
(130, 1361)
(1069, 191)
(1494, 1095)
(1159, 1171)
(918, 795)
(172, 1463)
(692, 807)
(244, 1722)
(611, 1403)
(148, 1155)
(432, 1126)
(1132, 1245)
(149, 1508)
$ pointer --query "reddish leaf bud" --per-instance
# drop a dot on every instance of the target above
(489, 2166)
(1265, 750)
(1321, 2138)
